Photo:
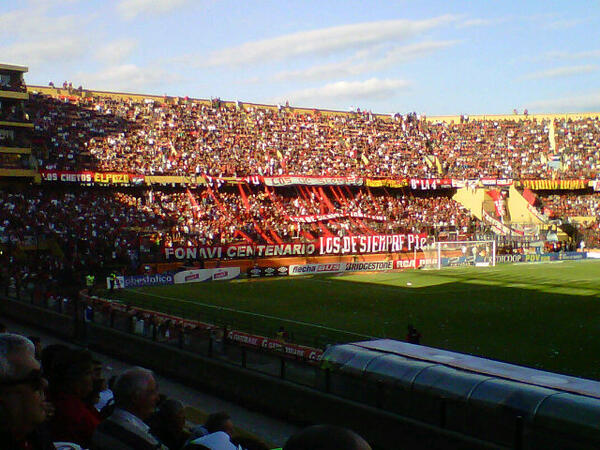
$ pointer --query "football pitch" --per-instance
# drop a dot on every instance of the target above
(544, 315)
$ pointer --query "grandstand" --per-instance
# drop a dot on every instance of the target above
(182, 172)
(147, 189)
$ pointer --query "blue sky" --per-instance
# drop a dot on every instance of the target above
(432, 57)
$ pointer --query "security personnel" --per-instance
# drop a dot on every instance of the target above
(90, 280)
(113, 281)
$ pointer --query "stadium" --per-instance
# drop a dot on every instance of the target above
(432, 275)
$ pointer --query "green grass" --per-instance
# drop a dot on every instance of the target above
(540, 315)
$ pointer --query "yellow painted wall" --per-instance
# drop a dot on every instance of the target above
(17, 173)
(517, 208)
(472, 199)
(16, 150)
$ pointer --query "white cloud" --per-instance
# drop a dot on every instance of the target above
(575, 103)
(362, 62)
(132, 8)
(479, 23)
(55, 50)
(373, 89)
(582, 54)
(325, 41)
(127, 77)
(27, 23)
(559, 72)
(562, 24)
(116, 51)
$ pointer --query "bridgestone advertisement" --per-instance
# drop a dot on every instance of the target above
(373, 266)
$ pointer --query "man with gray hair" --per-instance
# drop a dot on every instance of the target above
(22, 402)
(136, 395)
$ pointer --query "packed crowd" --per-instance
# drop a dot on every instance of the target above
(572, 205)
(186, 137)
(58, 394)
(584, 206)
(97, 227)
(578, 142)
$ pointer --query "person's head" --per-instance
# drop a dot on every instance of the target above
(171, 414)
(136, 391)
(72, 373)
(220, 421)
(326, 437)
(21, 386)
(48, 356)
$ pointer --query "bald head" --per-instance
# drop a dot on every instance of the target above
(326, 437)
(137, 392)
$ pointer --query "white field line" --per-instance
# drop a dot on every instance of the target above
(265, 316)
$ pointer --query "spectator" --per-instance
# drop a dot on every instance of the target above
(136, 394)
(168, 424)
(217, 433)
(71, 383)
(22, 406)
(326, 437)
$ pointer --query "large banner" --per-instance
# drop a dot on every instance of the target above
(240, 251)
(388, 183)
(426, 184)
(498, 199)
(89, 178)
(389, 243)
(555, 184)
(333, 216)
(331, 245)
(292, 180)
(496, 225)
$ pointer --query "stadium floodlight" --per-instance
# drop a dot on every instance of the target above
(459, 253)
